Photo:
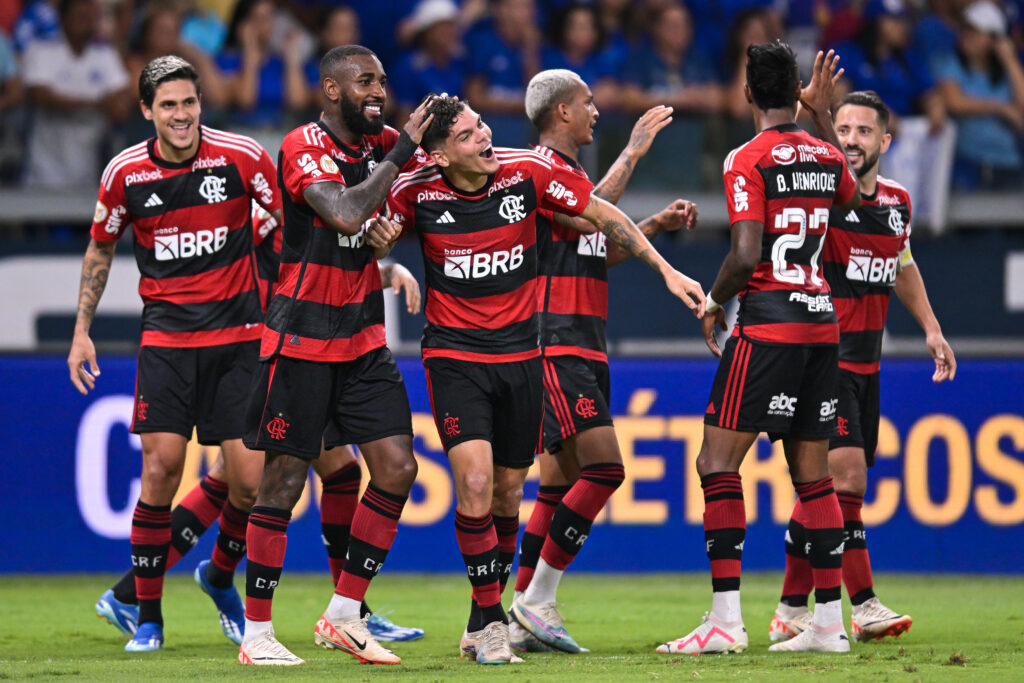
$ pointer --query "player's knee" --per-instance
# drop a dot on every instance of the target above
(403, 473)
(506, 500)
(476, 490)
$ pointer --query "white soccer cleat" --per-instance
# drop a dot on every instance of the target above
(872, 620)
(813, 639)
(265, 650)
(711, 637)
(789, 622)
(352, 636)
(492, 645)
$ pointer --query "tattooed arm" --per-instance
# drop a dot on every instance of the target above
(95, 270)
(618, 228)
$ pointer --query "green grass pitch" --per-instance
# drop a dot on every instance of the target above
(965, 628)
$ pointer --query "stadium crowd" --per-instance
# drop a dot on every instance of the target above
(69, 68)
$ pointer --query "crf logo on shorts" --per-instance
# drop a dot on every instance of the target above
(451, 426)
(189, 244)
(585, 407)
(462, 264)
(782, 405)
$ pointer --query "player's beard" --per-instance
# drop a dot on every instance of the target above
(355, 120)
(869, 163)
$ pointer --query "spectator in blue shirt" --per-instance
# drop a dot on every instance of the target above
(577, 44)
(438, 62)
(668, 69)
(982, 84)
(880, 60)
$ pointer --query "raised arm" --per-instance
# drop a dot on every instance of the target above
(95, 271)
(619, 229)
(345, 209)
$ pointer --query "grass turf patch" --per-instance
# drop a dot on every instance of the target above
(965, 628)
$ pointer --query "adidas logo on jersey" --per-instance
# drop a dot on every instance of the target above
(446, 217)
(852, 217)
(154, 200)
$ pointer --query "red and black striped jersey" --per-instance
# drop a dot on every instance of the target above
(573, 285)
(193, 235)
(328, 304)
(787, 180)
(266, 237)
(480, 252)
(864, 251)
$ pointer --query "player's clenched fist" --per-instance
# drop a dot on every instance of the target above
(382, 233)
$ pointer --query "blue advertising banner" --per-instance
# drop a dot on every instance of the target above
(947, 493)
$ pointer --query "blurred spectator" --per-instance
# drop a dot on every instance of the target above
(339, 25)
(880, 60)
(77, 86)
(621, 22)
(380, 21)
(751, 26)
(983, 87)
(202, 28)
(159, 34)
(669, 70)
(11, 116)
(37, 21)
(470, 12)
(437, 64)
(505, 53)
(934, 34)
(578, 44)
(261, 87)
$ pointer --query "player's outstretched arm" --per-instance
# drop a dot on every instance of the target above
(619, 229)
(398, 276)
(613, 184)
(95, 271)
(911, 291)
(739, 264)
(678, 214)
(345, 209)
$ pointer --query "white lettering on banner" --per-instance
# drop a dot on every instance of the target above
(91, 453)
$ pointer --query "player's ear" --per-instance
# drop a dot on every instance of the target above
(146, 111)
(886, 141)
(440, 157)
(746, 94)
(331, 89)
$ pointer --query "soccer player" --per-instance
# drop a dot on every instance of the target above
(474, 210)
(326, 377)
(187, 192)
(867, 256)
(778, 371)
(581, 465)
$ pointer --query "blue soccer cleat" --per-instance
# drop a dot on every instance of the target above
(119, 614)
(384, 629)
(545, 622)
(149, 637)
(229, 605)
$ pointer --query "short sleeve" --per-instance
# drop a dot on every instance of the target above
(262, 183)
(304, 163)
(111, 217)
(399, 210)
(744, 191)
(847, 182)
(565, 191)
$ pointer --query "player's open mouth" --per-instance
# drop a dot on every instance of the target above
(853, 154)
(181, 129)
(374, 108)
(488, 152)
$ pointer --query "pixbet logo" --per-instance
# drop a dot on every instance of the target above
(189, 244)
(208, 162)
(463, 264)
(782, 405)
(143, 176)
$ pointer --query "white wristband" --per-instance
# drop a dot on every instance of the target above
(712, 305)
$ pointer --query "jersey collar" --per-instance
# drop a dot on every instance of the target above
(354, 152)
(785, 128)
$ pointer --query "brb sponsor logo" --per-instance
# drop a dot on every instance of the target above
(169, 244)
(864, 267)
(782, 405)
(559, 192)
(593, 245)
(143, 177)
(463, 264)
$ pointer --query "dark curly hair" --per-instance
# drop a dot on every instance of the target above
(772, 75)
(445, 110)
(866, 98)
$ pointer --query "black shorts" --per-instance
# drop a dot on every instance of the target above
(858, 413)
(576, 395)
(295, 404)
(178, 389)
(784, 390)
(502, 403)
